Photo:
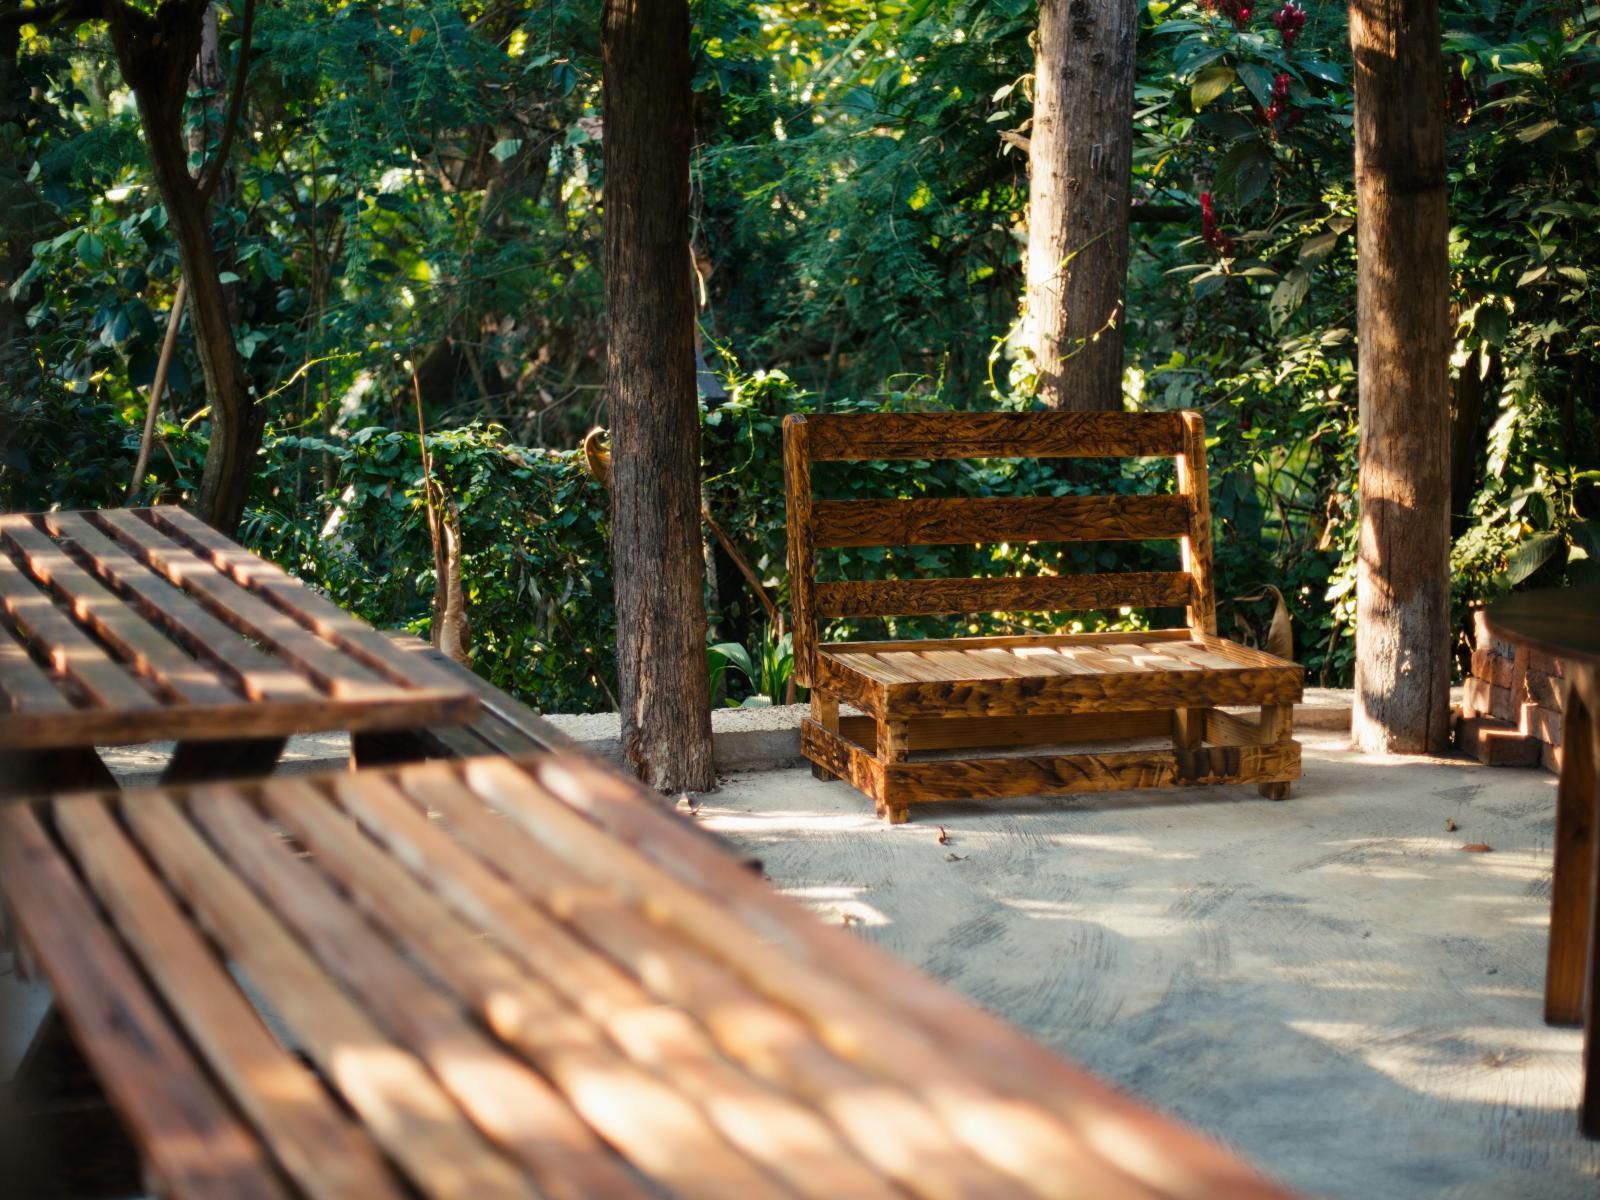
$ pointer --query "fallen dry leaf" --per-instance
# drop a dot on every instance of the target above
(1449, 825)
(944, 838)
(955, 858)
(1477, 848)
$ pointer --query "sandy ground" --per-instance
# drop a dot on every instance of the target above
(1330, 984)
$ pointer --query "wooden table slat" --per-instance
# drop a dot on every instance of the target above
(23, 682)
(642, 1115)
(138, 643)
(71, 651)
(233, 603)
(318, 1147)
(511, 1104)
(398, 1102)
(1173, 1161)
(317, 612)
(1013, 1136)
(196, 1146)
(888, 1125)
(257, 674)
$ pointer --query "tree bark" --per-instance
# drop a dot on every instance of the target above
(156, 54)
(1403, 571)
(655, 431)
(1080, 166)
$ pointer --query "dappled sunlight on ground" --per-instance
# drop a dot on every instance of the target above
(1330, 984)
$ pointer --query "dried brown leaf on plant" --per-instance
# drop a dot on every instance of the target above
(1280, 633)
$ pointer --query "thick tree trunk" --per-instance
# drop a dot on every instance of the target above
(1403, 581)
(655, 432)
(156, 54)
(1080, 165)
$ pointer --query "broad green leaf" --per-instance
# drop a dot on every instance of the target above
(1259, 80)
(1536, 131)
(505, 148)
(1532, 275)
(1529, 556)
(1210, 84)
(91, 251)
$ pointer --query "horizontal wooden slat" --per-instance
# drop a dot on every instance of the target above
(71, 651)
(1133, 690)
(320, 1149)
(23, 683)
(940, 522)
(142, 647)
(155, 598)
(38, 729)
(195, 1144)
(873, 436)
(963, 733)
(1164, 1158)
(1033, 593)
(994, 778)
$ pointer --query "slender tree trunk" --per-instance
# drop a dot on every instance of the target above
(1403, 576)
(1080, 165)
(655, 431)
(156, 54)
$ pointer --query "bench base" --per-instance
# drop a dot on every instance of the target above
(1208, 746)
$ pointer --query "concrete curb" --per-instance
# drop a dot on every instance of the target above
(749, 739)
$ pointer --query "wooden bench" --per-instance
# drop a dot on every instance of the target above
(493, 979)
(922, 699)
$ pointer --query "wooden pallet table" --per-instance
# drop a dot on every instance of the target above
(495, 978)
(1009, 693)
(1564, 623)
(127, 626)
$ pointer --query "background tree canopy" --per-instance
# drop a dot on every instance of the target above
(420, 184)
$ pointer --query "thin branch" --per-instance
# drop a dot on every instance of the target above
(213, 172)
(157, 385)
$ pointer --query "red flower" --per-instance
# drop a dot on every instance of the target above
(1290, 20)
(1209, 233)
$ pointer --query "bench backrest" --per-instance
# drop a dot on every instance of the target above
(822, 524)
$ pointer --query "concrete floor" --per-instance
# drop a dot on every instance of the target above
(1330, 984)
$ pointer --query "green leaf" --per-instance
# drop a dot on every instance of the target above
(1532, 275)
(1576, 274)
(91, 251)
(1288, 296)
(1259, 80)
(1529, 556)
(1492, 324)
(1210, 84)
(1244, 171)
(1315, 249)
(505, 148)
(1536, 131)
(1326, 71)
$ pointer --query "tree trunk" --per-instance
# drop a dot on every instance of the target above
(156, 54)
(655, 431)
(1403, 573)
(1080, 166)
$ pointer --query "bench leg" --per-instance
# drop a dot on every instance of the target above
(203, 762)
(1188, 728)
(1572, 882)
(825, 712)
(1277, 725)
(894, 745)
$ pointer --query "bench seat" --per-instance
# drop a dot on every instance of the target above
(1048, 692)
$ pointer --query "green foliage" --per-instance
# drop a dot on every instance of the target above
(413, 212)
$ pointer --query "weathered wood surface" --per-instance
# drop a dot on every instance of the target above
(1034, 681)
(868, 436)
(1011, 593)
(940, 522)
(139, 625)
(506, 978)
(945, 779)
